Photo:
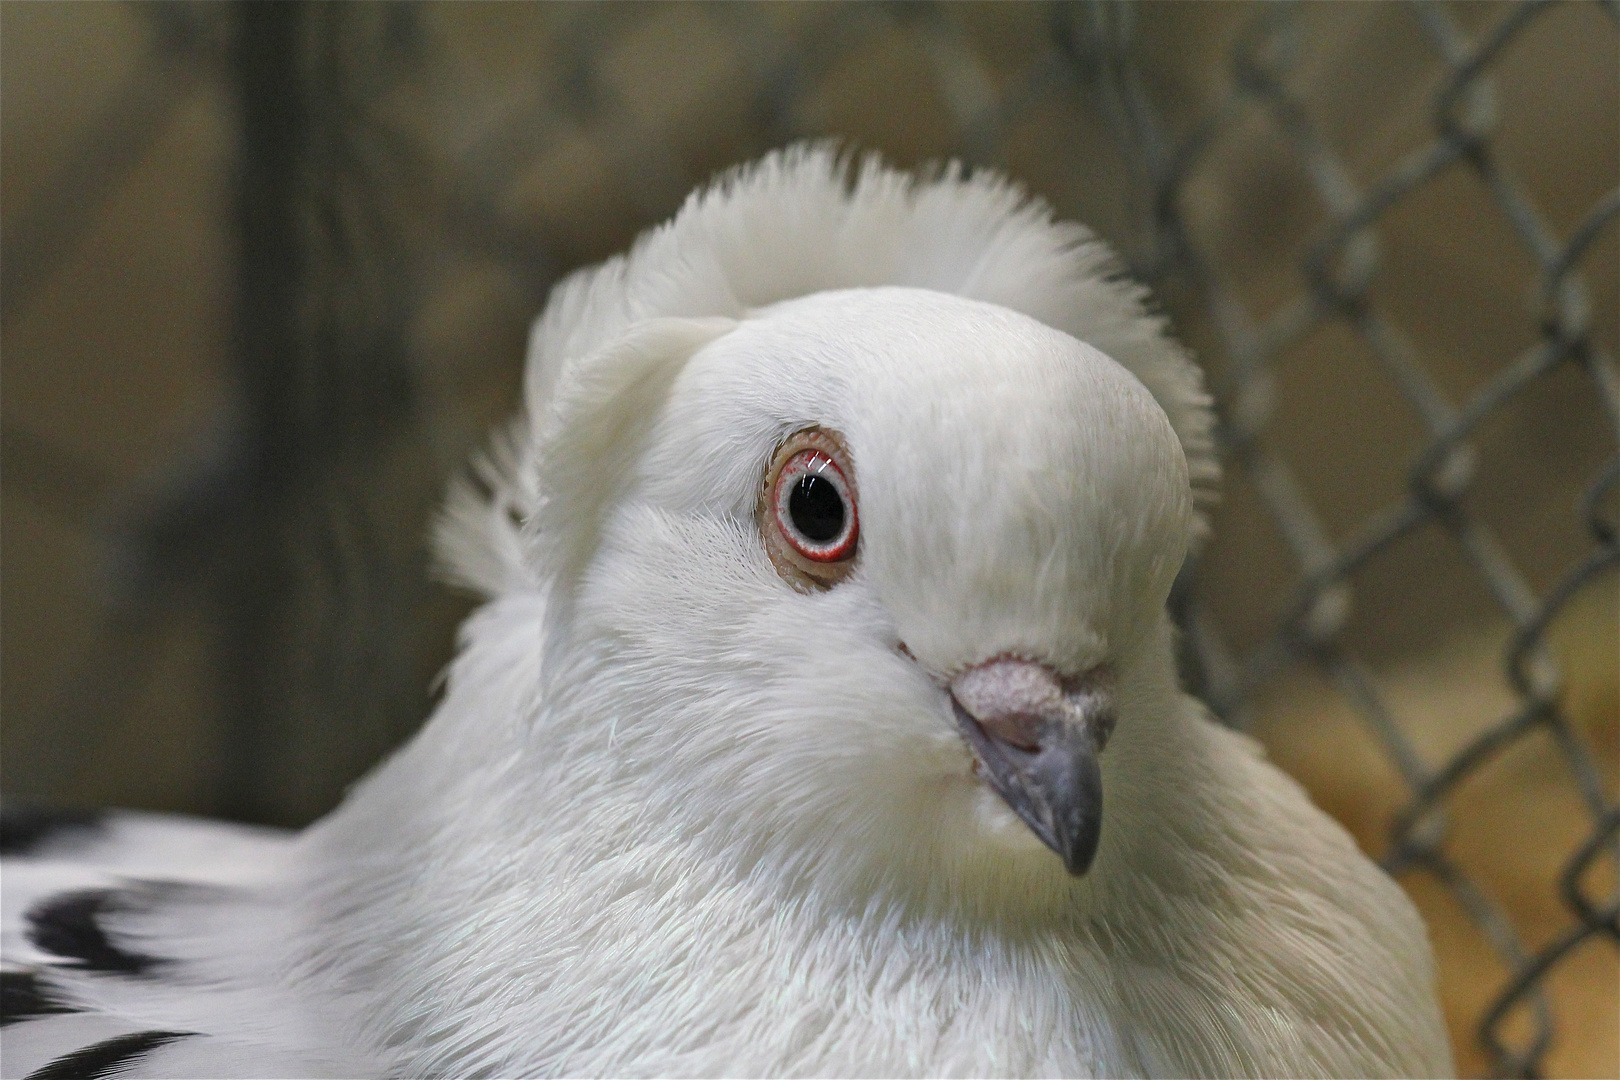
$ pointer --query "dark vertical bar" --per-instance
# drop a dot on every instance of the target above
(275, 126)
(272, 258)
(325, 636)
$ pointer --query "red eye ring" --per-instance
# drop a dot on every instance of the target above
(810, 531)
(815, 508)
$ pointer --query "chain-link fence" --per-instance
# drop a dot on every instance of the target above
(406, 175)
(1335, 272)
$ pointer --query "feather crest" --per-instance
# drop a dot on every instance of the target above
(810, 218)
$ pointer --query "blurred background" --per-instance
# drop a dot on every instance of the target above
(266, 272)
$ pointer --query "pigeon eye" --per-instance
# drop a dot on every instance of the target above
(807, 511)
(813, 507)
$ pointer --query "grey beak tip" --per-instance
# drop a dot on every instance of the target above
(1079, 847)
(1072, 783)
(1056, 789)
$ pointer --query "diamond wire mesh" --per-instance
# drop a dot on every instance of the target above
(1093, 46)
(1335, 274)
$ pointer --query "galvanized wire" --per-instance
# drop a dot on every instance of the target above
(1335, 274)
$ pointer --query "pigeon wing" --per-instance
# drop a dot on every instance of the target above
(106, 921)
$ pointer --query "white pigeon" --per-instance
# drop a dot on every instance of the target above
(822, 719)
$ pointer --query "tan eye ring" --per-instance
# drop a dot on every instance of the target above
(808, 510)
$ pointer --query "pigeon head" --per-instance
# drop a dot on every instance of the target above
(852, 581)
(854, 502)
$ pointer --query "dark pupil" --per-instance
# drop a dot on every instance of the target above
(816, 509)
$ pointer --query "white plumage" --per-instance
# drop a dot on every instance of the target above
(699, 803)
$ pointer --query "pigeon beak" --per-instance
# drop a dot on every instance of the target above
(1037, 738)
